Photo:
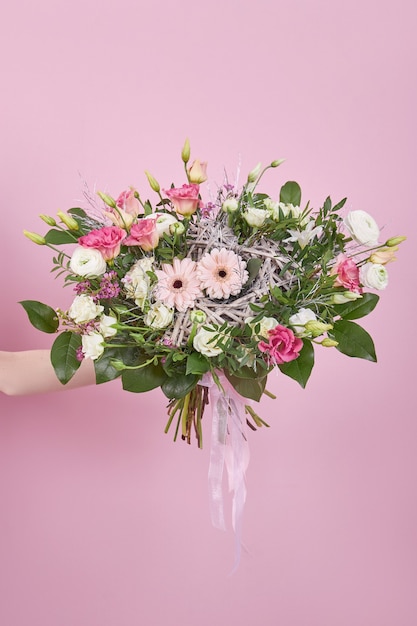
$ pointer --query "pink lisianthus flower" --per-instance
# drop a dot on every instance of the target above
(185, 199)
(347, 274)
(128, 203)
(282, 346)
(143, 234)
(106, 240)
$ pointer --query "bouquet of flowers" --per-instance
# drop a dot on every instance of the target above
(182, 291)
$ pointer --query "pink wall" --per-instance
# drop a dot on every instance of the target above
(104, 520)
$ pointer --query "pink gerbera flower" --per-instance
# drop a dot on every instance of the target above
(178, 284)
(222, 273)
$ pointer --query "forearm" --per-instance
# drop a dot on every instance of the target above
(31, 371)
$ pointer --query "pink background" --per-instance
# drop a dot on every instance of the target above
(104, 520)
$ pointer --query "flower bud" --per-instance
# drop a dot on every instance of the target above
(41, 241)
(69, 221)
(197, 317)
(230, 205)
(329, 343)
(197, 173)
(111, 202)
(153, 182)
(277, 162)
(48, 220)
(346, 296)
(395, 241)
(383, 255)
(253, 174)
(177, 228)
(317, 328)
(185, 154)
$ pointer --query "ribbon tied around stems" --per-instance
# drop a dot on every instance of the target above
(230, 448)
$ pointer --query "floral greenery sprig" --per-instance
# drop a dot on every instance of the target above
(171, 290)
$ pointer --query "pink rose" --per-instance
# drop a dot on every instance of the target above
(143, 234)
(128, 202)
(184, 199)
(197, 172)
(347, 273)
(282, 346)
(106, 240)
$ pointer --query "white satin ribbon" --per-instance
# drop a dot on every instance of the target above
(229, 446)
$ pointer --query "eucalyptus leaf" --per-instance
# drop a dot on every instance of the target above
(64, 355)
(353, 340)
(300, 369)
(253, 266)
(41, 316)
(290, 193)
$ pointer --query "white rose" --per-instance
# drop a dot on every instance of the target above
(230, 205)
(92, 345)
(87, 262)
(84, 309)
(300, 319)
(202, 339)
(255, 217)
(373, 276)
(163, 222)
(137, 281)
(106, 326)
(159, 316)
(265, 324)
(362, 227)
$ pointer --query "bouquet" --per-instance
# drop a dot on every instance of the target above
(190, 294)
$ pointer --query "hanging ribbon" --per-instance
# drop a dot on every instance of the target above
(230, 448)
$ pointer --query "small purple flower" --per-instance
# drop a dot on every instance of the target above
(109, 286)
(79, 354)
(82, 287)
(207, 209)
(228, 187)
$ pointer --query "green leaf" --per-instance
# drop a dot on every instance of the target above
(300, 369)
(197, 364)
(253, 267)
(78, 212)
(246, 387)
(290, 193)
(41, 316)
(179, 385)
(357, 308)
(58, 237)
(64, 355)
(353, 340)
(143, 379)
(103, 367)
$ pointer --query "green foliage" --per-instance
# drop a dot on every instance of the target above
(357, 308)
(300, 369)
(353, 340)
(59, 237)
(252, 388)
(143, 379)
(290, 193)
(41, 316)
(64, 355)
(180, 385)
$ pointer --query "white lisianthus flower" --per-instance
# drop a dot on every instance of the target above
(106, 326)
(265, 325)
(304, 236)
(137, 281)
(255, 217)
(362, 227)
(300, 319)
(87, 262)
(92, 345)
(202, 345)
(159, 316)
(373, 276)
(84, 309)
(163, 222)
